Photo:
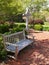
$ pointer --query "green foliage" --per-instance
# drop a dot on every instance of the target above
(31, 26)
(16, 30)
(4, 28)
(38, 27)
(15, 25)
(7, 33)
(22, 26)
(18, 18)
(38, 8)
(11, 28)
(9, 9)
(46, 28)
(3, 52)
(46, 23)
(19, 29)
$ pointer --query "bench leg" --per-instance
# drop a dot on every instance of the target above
(16, 54)
(31, 44)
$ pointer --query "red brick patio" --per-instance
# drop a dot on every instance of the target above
(38, 54)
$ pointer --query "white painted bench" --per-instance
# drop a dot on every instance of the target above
(16, 42)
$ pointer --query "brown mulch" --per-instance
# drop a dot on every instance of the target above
(38, 54)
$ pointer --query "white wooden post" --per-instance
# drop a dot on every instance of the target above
(27, 18)
(27, 23)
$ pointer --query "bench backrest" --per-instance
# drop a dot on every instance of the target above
(15, 37)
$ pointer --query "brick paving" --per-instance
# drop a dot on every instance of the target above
(38, 54)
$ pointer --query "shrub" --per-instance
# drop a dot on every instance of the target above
(16, 30)
(7, 33)
(22, 26)
(15, 25)
(4, 28)
(1, 28)
(3, 52)
(0, 37)
(38, 27)
(31, 26)
(46, 28)
(13, 30)
(19, 29)
(11, 24)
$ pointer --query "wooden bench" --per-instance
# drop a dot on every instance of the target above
(16, 42)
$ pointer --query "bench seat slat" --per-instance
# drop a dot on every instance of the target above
(20, 45)
(24, 43)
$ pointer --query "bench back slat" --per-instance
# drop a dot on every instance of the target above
(13, 38)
